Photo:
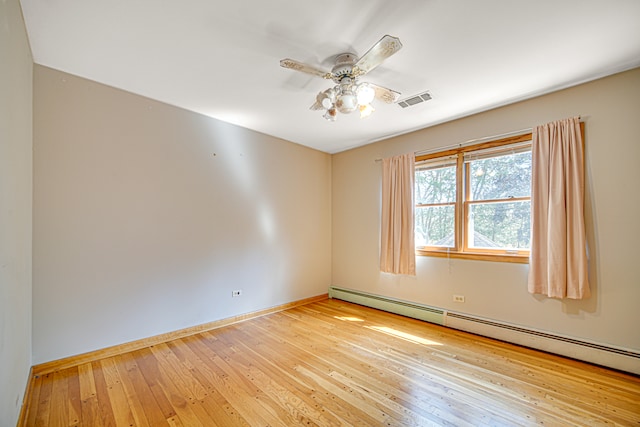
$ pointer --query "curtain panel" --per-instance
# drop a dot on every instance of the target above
(397, 239)
(558, 262)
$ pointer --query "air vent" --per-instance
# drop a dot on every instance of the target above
(413, 100)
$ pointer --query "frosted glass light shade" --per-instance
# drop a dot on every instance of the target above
(330, 114)
(365, 94)
(366, 110)
(347, 102)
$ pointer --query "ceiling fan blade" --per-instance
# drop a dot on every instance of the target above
(317, 105)
(320, 98)
(305, 68)
(380, 51)
(386, 95)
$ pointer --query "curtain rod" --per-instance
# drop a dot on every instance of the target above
(474, 141)
(477, 141)
(470, 142)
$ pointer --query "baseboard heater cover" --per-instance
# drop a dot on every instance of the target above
(600, 354)
(597, 353)
(392, 305)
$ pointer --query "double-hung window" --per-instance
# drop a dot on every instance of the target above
(475, 201)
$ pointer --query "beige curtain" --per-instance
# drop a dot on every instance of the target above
(558, 264)
(397, 252)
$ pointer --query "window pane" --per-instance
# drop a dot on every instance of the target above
(500, 225)
(501, 177)
(435, 226)
(435, 185)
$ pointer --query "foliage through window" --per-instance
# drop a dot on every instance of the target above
(475, 201)
(435, 195)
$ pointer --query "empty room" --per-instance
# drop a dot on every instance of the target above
(413, 213)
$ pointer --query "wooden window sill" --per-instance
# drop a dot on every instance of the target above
(518, 259)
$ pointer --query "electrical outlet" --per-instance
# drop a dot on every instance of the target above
(458, 298)
(237, 293)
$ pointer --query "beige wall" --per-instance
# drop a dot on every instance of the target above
(146, 217)
(15, 210)
(610, 107)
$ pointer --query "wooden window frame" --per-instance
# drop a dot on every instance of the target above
(461, 249)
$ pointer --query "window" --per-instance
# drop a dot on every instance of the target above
(435, 195)
(475, 201)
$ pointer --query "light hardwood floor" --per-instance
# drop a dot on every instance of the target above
(332, 363)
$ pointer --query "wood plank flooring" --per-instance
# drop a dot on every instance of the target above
(332, 363)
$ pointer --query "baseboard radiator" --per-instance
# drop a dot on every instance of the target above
(404, 308)
(600, 354)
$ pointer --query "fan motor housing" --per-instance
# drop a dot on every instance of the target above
(344, 66)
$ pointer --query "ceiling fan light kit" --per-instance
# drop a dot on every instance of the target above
(349, 94)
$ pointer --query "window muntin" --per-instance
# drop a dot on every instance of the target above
(490, 212)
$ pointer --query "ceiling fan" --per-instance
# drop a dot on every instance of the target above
(349, 94)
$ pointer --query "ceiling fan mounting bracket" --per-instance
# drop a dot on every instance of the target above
(346, 58)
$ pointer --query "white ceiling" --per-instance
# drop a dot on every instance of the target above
(221, 58)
